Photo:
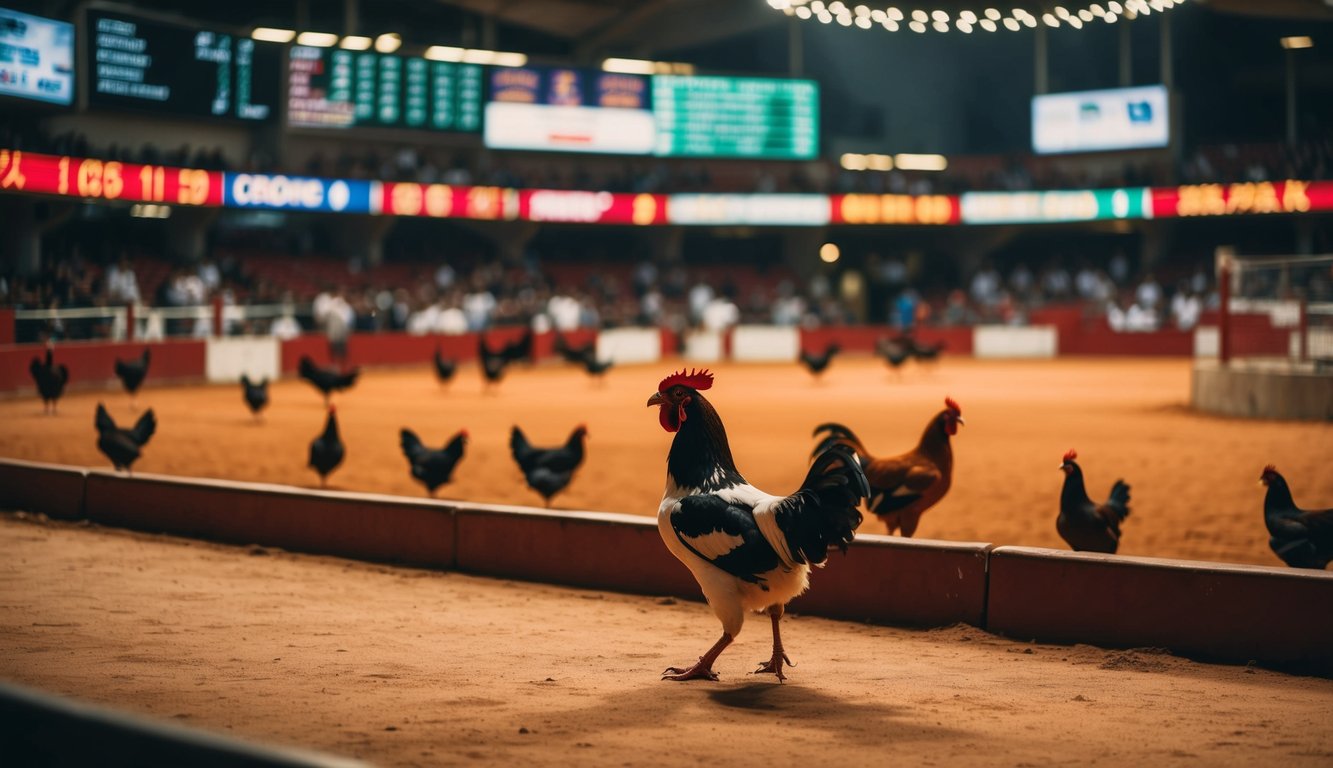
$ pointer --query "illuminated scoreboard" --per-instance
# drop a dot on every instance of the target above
(143, 64)
(736, 117)
(333, 88)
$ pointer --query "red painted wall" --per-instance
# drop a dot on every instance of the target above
(92, 363)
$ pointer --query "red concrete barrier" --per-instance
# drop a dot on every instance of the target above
(356, 525)
(51, 489)
(892, 580)
(598, 550)
(92, 363)
(1233, 613)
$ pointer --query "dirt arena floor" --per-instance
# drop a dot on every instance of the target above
(405, 667)
(1194, 477)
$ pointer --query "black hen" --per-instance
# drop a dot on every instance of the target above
(327, 451)
(597, 368)
(123, 446)
(515, 351)
(894, 354)
(50, 379)
(817, 364)
(256, 395)
(548, 470)
(444, 368)
(132, 372)
(432, 468)
(1085, 525)
(492, 364)
(1302, 538)
(326, 380)
(926, 353)
(576, 355)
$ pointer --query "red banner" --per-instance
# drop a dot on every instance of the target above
(895, 209)
(591, 207)
(1240, 199)
(107, 179)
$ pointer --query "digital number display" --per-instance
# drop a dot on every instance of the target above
(736, 117)
(332, 88)
(143, 64)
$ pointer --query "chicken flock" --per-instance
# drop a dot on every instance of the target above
(748, 549)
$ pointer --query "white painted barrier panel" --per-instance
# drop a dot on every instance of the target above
(703, 346)
(1206, 341)
(255, 356)
(630, 345)
(1003, 341)
(765, 343)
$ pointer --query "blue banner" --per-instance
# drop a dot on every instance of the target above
(295, 193)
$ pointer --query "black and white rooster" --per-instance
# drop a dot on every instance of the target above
(747, 549)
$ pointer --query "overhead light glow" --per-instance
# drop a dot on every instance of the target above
(444, 53)
(829, 253)
(989, 25)
(993, 14)
(273, 35)
(388, 42)
(355, 43)
(317, 39)
(1292, 43)
(907, 162)
(917, 26)
(1011, 24)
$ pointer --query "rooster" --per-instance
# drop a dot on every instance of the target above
(131, 374)
(327, 450)
(1085, 525)
(520, 350)
(255, 394)
(548, 470)
(597, 368)
(444, 368)
(432, 468)
(123, 446)
(747, 549)
(1303, 539)
(326, 380)
(905, 486)
(817, 364)
(50, 379)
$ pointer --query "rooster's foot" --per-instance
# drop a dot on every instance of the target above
(774, 665)
(699, 671)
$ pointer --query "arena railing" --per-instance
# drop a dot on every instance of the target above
(140, 322)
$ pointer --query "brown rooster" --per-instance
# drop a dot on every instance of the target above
(903, 487)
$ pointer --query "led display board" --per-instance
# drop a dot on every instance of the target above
(36, 58)
(1095, 121)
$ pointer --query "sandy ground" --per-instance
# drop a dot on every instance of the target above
(405, 667)
(1194, 477)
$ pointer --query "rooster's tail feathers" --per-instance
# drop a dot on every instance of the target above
(824, 512)
(1119, 500)
(411, 444)
(837, 434)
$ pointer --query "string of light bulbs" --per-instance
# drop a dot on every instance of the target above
(921, 20)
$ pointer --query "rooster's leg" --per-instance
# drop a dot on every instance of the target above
(703, 668)
(774, 665)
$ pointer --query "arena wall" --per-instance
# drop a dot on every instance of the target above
(1209, 610)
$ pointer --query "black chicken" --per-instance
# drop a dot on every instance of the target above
(432, 468)
(894, 354)
(520, 350)
(817, 364)
(1301, 538)
(1085, 525)
(327, 451)
(925, 353)
(444, 367)
(132, 372)
(548, 470)
(575, 355)
(50, 379)
(123, 446)
(326, 380)
(256, 394)
(492, 364)
(597, 368)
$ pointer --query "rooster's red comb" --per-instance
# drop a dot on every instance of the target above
(1071, 454)
(700, 379)
(952, 405)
